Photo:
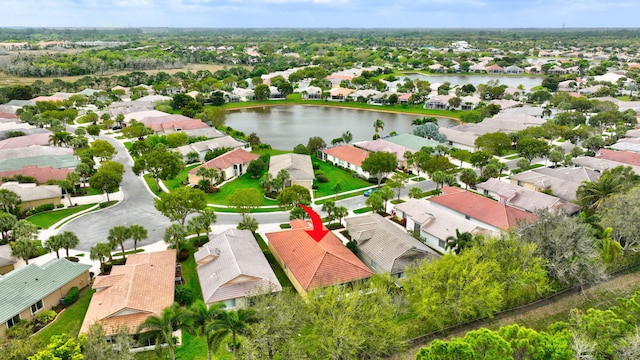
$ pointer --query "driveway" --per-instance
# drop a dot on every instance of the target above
(136, 208)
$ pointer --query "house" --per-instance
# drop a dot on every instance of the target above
(42, 174)
(523, 198)
(513, 69)
(233, 163)
(561, 182)
(275, 94)
(17, 162)
(459, 139)
(298, 166)
(26, 291)
(41, 139)
(386, 146)
(33, 195)
(346, 156)
(599, 164)
(555, 69)
(7, 260)
(231, 267)
(132, 292)
(202, 147)
(433, 224)
(312, 93)
(440, 102)
(385, 247)
(34, 151)
(480, 210)
(412, 142)
(172, 123)
(494, 69)
(339, 94)
(244, 94)
(625, 146)
(311, 264)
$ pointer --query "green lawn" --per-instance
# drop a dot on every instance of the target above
(243, 182)
(340, 197)
(45, 219)
(362, 210)
(256, 210)
(69, 321)
(335, 174)
(190, 274)
(182, 177)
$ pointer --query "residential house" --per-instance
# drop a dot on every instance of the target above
(523, 198)
(386, 146)
(30, 289)
(33, 195)
(412, 142)
(434, 224)
(172, 123)
(298, 166)
(346, 156)
(599, 164)
(312, 93)
(626, 145)
(311, 264)
(142, 287)
(339, 94)
(560, 182)
(557, 70)
(440, 102)
(42, 174)
(385, 247)
(459, 139)
(513, 69)
(244, 94)
(404, 98)
(480, 210)
(231, 268)
(275, 94)
(7, 260)
(232, 164)
(202, 147)
(41, 139)
(494, 69)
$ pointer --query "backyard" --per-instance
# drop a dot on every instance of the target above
(68, 321)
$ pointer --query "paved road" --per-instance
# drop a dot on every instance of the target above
(136, 208)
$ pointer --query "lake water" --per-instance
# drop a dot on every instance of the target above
(283, 127)
(512, 80)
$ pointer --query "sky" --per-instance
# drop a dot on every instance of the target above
(321, 13)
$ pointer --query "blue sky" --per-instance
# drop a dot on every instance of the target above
(322, 13)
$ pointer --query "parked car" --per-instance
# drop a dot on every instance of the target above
(370, 191)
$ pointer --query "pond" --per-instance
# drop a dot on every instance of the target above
(510, 80)
(283, 127)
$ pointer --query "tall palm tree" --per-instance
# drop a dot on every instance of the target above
(592, 194)
(199, 317)
(68, 239)
(209, 217)
(98, 252)
(23, 248)
(10, 201)
(54, 243)
(233, 322)
(377, 126)
(459, 242)
(137, 233)
(161, 328)
(118, 235)
(174, 235)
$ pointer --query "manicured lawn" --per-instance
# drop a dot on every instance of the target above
(151, 183)
(256, 210)
(512, 157)
(182, 177)
(45, 219)
(190, 274)
(243, 182)
(69, 321)
(362, 210)
(335, 175)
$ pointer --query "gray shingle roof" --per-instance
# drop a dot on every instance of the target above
(27, 285)
(412, 142)
(299, 166)
(391, 247)
(231, 265)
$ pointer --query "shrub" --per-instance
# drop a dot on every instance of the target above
(184, 255)
(316, 166)
(21, 330)
(199, 241)
(46, 317)
(184, 295)
(285, 226)
(103, 205)
(39, 209)
(322, 179)
(72, 296)
(334, 226)
(72, 259)
(60, 206)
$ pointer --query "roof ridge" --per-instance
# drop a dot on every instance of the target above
(313, 274)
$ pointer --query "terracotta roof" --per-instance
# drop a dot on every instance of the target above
(348, 153)
(481, 208)
(8, 115)
(142, 287)
(317, 264)
(624, 157)
(235, 156)
(180, 124)
(340, 91)
(41, 174)
(26, 140)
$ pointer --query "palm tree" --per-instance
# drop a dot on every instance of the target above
(137, 233)
(233, 322)
(100, 252)
(54, 243)
(266, 181)
(161, 328)
(9, 201)
(209, 217)
(199, 317)
(459, 242)
(174, 235)
(68, 239)
(118, 235)
(24, 229)
(24, 248)
(468, 177)
(592, 194)
(377, 126)
(7, 221)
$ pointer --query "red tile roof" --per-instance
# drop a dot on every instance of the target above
(180, 124)
(348, 153)
(235, 156)
(8, 115)
(41, 174)
(481, 208)
(625, 157)
(317, 264)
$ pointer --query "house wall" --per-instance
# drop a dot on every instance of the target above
(49, 301)
(6, 268)
(304, 183)
(525, 185)
(473, 220)
(366, 259)
(338, 162)
(31, 204)
(430, 240)
(294, 281)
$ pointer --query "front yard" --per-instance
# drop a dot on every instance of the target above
(46, 219)
(337, 175)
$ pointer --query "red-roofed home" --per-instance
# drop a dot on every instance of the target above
(624, 157)
(347, 156)
(494, 69)
(232, 164)
(41, 174)
(310, 264)
(481, 210)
